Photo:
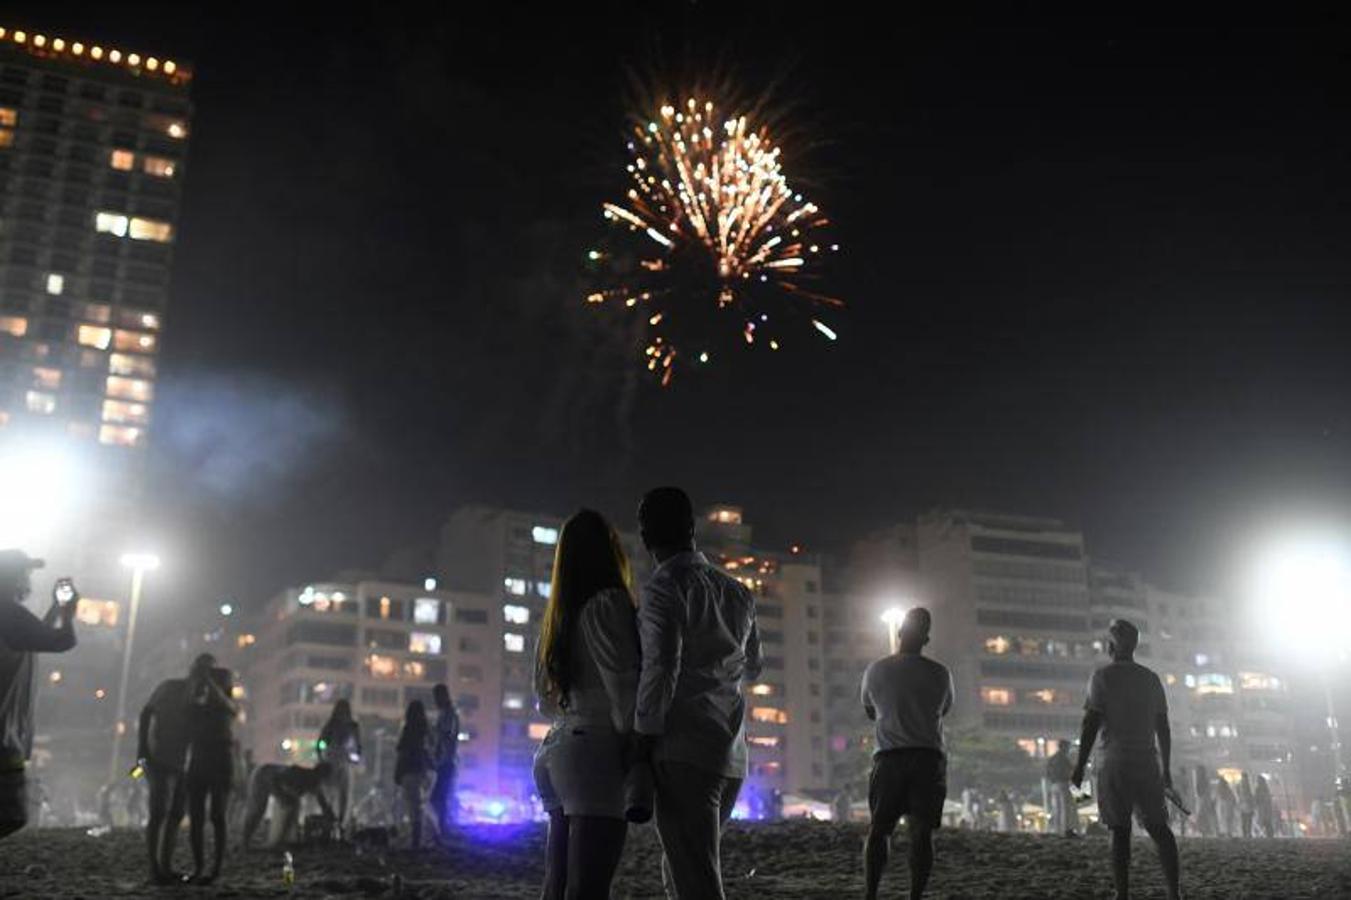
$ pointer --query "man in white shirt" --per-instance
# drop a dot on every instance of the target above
(906, 695)
(1127, 704)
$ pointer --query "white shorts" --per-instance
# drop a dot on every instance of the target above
(580, 769)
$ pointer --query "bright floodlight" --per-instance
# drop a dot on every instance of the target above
(226, 609)
(40, 484)
(1304, 596)
(894, 616)
(146, 562)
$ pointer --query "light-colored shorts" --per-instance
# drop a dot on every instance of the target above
(1130, 787)
(580, 769)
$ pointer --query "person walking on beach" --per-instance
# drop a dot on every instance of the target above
(211, 764)
(906, 695)
(1064, 812)
(1247, 804)
(340, 747)
(1206, 822)
(1266, 807)
(162, 738)
(1227, 805)
(699, 641)
(413, 762)
(586, 681)
(1126, 703)
(447, 757)
(23, 634)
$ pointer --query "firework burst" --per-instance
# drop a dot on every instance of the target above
(717, 242)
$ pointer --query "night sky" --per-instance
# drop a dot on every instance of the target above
(1095, 269)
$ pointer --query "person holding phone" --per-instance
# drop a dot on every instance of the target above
(23, 634)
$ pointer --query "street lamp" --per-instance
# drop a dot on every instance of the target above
(1304, 588)
(139, 563)
(892, 617)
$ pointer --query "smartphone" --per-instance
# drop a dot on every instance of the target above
(65, 591)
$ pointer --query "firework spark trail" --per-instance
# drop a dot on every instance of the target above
(710, 199)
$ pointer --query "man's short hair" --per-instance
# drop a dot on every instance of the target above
(440, 693)
(1124, 635)
(666, 517)
(916, 624)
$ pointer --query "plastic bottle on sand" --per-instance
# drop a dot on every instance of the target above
(288, 869)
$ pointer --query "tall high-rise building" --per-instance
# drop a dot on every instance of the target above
(93, 145)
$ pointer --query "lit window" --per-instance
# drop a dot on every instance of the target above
(543, 588)
(110, 223)
(122, 159)
(426, 610)
(1257, 681)
(424, 642)
(150, 230)
(514, 643)
(512, 700)
(516, 615)
(993, 696)
(130, 389)
(133, 341)
(1214, 683)
(177, 130)
(94, 336)
(95, 312)
(514, 586)
(245, 640)
(158, 166)
(763, 740)
(538, 731)
(1048, 696)
(1170, 679)
(47, 379)
(6, 137)
(544, 535)
(9, 117)
(16, 326)
(762, 690)
(998, 645)
(1202, 659)
(380, 666)
(769, 715)
(414, 669)
(125, 413)
(128, 365)
(56, 283)
(726, 515)
(121, 436)
(38, 402)
(97, 612)
(1028, 746)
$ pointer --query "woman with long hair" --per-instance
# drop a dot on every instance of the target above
(211, 762)
(413, 760)
(586, 678)
(340, 746)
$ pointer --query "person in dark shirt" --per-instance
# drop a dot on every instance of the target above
(23, 634)
(447, 756)
(162, 754)
(211, 760)
(412, 764)
(340, 746)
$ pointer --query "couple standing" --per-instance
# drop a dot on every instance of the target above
(641, 690)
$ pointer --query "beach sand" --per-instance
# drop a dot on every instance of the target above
(798, 859)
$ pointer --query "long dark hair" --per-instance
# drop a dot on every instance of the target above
(341, 717)
(415, 728)
(589, 559)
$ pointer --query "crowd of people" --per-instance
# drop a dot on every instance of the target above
(645, 694)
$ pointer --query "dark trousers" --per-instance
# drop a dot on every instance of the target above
(692, 806)
(443, 794)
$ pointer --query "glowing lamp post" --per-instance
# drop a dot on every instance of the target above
(139, 563)
(1305, 596)
(892, 618)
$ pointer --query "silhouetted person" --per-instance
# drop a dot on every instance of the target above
(699, 641)
(586, 678)
(1227, 806)
(1206, 822)
(23, 634)
(1266, 807)
(906, 695)
(340, 742)
(1008, 814)
(1247, 804)
(1126, 703)
(447, 756)
(413, 763)
(1064, 812)
(211, 764)
(162, 739)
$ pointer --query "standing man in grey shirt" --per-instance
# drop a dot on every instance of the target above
(696, 625)
(907, 696)
(1127, 704)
